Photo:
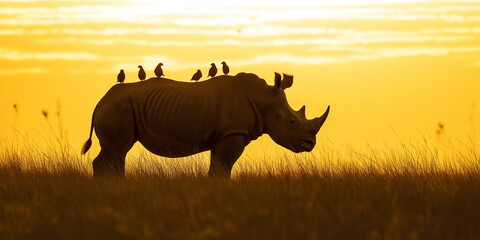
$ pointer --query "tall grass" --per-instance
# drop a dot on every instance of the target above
(415, 189)
(264, 158)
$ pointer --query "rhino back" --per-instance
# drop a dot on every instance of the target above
(189, 113)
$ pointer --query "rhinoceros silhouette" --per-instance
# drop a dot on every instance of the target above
(176, 119)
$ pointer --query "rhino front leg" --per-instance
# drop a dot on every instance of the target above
(225, 154)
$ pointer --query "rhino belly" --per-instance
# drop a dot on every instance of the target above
(169, 147)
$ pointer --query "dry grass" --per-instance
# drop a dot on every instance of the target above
(415, 190)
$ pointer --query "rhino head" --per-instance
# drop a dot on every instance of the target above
(288, 128)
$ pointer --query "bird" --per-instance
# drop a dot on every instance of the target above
(141, 73)
(225, 68)
(158, 70)
(213, 71)
(197, 76)
(121, 76)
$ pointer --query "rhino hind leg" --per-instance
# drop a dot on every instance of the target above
(107, 164)
(116, 138)
(225, 154)
(111, 160)
(99, 166)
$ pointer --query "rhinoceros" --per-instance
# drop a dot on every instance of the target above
(176, 119)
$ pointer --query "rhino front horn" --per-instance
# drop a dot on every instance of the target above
(318, 122)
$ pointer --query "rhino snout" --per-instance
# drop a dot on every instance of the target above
(307, 145)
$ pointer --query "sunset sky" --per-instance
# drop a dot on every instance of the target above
(386, 68)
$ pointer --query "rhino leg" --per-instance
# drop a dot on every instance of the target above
(114, 127)
(99, 166)
(109, 164)
(225, 154)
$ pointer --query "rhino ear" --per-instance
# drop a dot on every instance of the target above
(278, 80)
(287, 81)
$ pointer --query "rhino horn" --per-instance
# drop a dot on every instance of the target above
(318, 122)
(302, 111)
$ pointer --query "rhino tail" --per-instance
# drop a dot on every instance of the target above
(86, 146)
(88, 143)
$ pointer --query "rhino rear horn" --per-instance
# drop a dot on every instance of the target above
(318, 122)
(302, 111)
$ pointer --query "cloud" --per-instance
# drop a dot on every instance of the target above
(341, 40)
(16, 55)
(475, 64)
(362, 54)
(372, 55)
(22, 71)
(225, 13)
(148, 62)
(246, 32)
(11, 32)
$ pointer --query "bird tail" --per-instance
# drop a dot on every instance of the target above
(88, 143)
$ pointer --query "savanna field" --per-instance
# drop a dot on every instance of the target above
(397, 158)
(428, 189)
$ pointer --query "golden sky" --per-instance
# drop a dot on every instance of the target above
(386, 68)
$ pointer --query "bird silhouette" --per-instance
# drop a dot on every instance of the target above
(213, 71)
(121, 76)
(197, 76)
(159, 71)
(225, 68)
(141, 73)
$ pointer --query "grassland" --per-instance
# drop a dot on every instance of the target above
(414, 190)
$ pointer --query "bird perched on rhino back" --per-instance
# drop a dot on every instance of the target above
(225, 68)
(197, 76)
(213, 71)
(159, 71)
(121, 76)
(141, 73)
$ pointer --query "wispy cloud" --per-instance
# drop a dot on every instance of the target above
(11, 31)
(318, 41)
(11, 54)
(475, 64)
(239, 21)
(249, 32)
(22, 71)
(225, 14)
(363, 54)
(257, 24)
(147, 62)
(371, 55)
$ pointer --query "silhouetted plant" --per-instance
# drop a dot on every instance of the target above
(45, 114)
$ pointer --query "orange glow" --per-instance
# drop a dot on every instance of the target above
(385, 67)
